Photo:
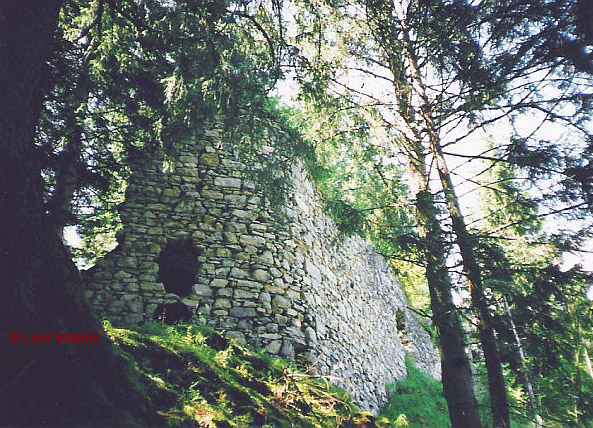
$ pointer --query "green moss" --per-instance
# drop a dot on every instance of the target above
(193, 376)
(417, 401)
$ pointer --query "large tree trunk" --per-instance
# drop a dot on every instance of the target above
(496, 384)
(501, 417)
(41, 292)
(455, 364)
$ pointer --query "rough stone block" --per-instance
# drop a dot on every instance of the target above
(223, 252)
(211, 194)
(281, 319)
(234, 183)
(313, 270)
(224, 292)
(260, 275)
(222, 304)
(287, 349)
(210, 159)
(243, 257)
(236, 200)
(241, 312)
(270, 336)
(281, 302)
(245, 294)
(256, 241)
(249, 284)
(203, 290)
(230, 237)
(266, 258)
(127, 262)
(265, 297)
(219, 283)
(311, 336)
(238, 273)
(122, 275)
(274, 347)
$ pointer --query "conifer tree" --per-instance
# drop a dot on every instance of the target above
(456, 68)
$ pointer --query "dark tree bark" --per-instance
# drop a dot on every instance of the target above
(456, 367)
(496, 384)
(41, 290)
(501, 416)
(455, 364)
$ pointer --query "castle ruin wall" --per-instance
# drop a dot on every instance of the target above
(294, 286)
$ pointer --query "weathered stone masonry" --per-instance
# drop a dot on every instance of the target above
(292, 287)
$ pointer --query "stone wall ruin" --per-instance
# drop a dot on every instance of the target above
(199, 245)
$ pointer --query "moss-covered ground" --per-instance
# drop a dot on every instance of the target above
(195, 377)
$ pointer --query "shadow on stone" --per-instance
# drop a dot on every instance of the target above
(217, 342)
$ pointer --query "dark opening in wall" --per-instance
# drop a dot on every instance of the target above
(400, 319)
(178, 267)
(172, 313)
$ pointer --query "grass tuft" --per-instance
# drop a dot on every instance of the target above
(417, 401)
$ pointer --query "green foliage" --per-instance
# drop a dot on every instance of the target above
(555, 319)
(192, 375)
(133, 76)
(361, 187)
(520, 417)
(547, 302)
(271, 140)
(418, 401)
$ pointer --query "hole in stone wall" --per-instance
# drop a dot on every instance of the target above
(178, 267)
(172, 313)
(400, 319)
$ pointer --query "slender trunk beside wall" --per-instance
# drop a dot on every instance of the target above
(496, 384)
(457, 377)
(528, 387)
(501, 417)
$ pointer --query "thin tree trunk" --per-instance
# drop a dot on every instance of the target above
(496, 384)
(41, 292)
(485, 321)
(587, 361)
(457, 374)
(577, 361)
(528, 387)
